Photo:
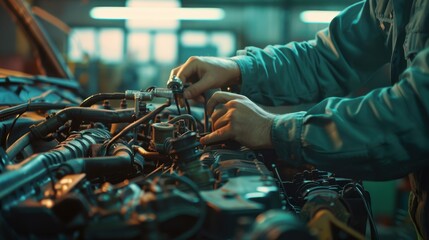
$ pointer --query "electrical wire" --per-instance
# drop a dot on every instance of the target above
(170, 169)
(188, 117)
(358, 187)
(282, 187)
(176, 100)
(188, 108)
(154, 171)
(14, 122)
(144, 178)
(6, 140)
(31, 105)
(374, 231)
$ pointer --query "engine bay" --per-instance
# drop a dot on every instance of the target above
(125, 166)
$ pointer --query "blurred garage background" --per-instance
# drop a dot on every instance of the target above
(108, 49)
(138, 49)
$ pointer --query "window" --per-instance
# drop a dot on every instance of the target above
(106, 44)
(139, 46)
(111, 42)
(165, 48)
(81, 42)
(225, 43)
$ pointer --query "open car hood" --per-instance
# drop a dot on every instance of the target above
(52, 61)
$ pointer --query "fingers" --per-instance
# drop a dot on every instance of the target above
(186, 72)
(197, 88)
(222, 121)
(189, 72)
(189, 68)
(206, 73)
(221, 118)
(218, 113)
(175, 71)
(219, 135)
(221, 98)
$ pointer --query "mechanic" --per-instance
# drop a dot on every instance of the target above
(381, 135)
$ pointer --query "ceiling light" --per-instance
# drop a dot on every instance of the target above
(317, 16)
(122, 13)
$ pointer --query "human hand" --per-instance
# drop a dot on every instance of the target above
(239, 119)
(206, 73)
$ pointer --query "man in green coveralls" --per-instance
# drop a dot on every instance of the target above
(381, 135)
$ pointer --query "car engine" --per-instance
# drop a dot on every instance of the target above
(127, 166)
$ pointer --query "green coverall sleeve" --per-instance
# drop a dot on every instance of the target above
(339, 60)
(382, 135)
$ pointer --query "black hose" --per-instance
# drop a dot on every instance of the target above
(33, 106)
(81, 113)
(91, 100)
(37, 165)
(122, 160)
(18, 145)
(72, 113)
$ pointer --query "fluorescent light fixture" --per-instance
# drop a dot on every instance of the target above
(317, 16)
(122, 13)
